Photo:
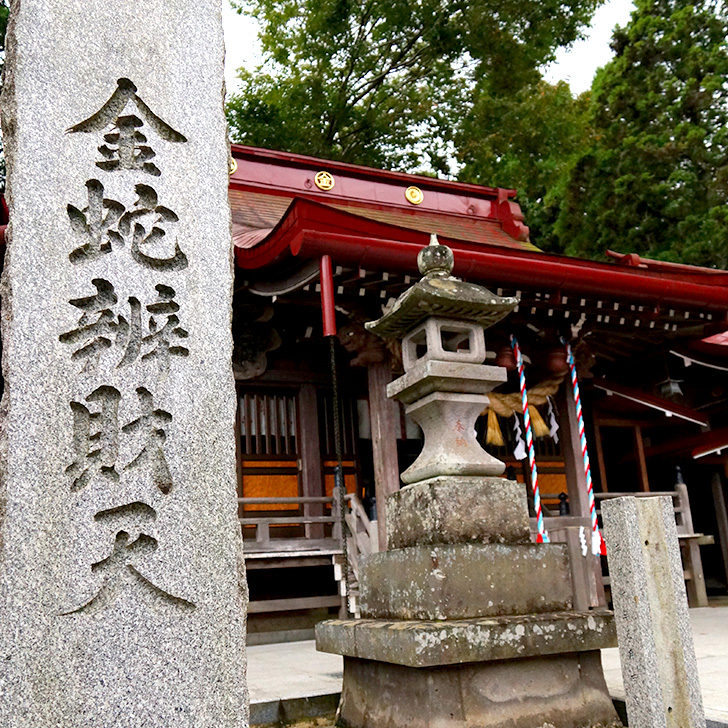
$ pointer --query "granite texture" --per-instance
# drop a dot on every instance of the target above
(454, 509)
(648, 590)
(122, 586)
(443, 340)
(430, 375)
(451, 444)
(556, 691)
(465, 580)
(425, 643)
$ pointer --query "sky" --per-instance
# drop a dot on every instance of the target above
(576, 65)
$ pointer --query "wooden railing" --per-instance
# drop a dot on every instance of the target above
(361, 533)
(316, 541)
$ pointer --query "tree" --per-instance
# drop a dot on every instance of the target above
(655, 179)
(387, 82)
(528, 140)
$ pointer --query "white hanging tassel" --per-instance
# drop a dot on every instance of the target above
(553, 424)
(596, 542)
(582, 541)
(519, 452)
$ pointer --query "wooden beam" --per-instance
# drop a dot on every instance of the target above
(309, 451)
(384, 419)
(644, 481)
(721, 515)
(573, 459)
(291, 605)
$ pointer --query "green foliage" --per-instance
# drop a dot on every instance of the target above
(528, 140)
(388, 82)
(655, 178)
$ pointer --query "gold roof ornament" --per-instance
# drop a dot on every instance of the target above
(324, 181)
(414, 195)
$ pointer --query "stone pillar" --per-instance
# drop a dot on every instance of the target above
(465, 622)
(653, 625)
(123, 590)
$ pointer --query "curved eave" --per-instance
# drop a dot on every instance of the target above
(379, 246)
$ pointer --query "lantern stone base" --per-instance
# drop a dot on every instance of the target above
(458, 509)
(529, 671)
(556, 691)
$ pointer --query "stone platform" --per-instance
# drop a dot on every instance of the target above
(458, 641)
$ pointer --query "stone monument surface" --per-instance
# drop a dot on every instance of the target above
(122, 584)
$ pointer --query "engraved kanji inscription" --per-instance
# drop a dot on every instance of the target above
(164, 329)
(103, 327)
(122, 568)
(95, 224)
(125, 146)
(148, 226)
(95, 438)
(98, 328)
(149, 426)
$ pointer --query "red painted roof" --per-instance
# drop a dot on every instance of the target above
(279, 214)
(265, 183)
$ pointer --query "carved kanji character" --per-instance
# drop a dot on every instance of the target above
(95, 224)
(160, 337)
(121, 568)
(150, 426)
(126, 147)
(95, 438)
(100, 327)
(147, 225)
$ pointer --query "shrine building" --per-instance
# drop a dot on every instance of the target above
(322, 247)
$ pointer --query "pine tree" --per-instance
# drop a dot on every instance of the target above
(655, 180)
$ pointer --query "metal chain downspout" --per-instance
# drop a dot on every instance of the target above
(339, 482)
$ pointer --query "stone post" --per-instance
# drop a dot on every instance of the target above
(123, 591)
(653, 625)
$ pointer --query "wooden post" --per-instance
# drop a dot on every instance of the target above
(571, 449)
(238, 451)
(600, 456)
(578, 497)
(722, 517)
(644, 481)
(384, 418)
(309, 452)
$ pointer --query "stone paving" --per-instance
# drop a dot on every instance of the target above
(293, 670)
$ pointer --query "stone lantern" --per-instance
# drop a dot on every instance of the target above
(465, 622)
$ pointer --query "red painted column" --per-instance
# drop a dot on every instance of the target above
(327, 297)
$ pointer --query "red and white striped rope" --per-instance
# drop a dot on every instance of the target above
(543, 536)
(597, 542)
